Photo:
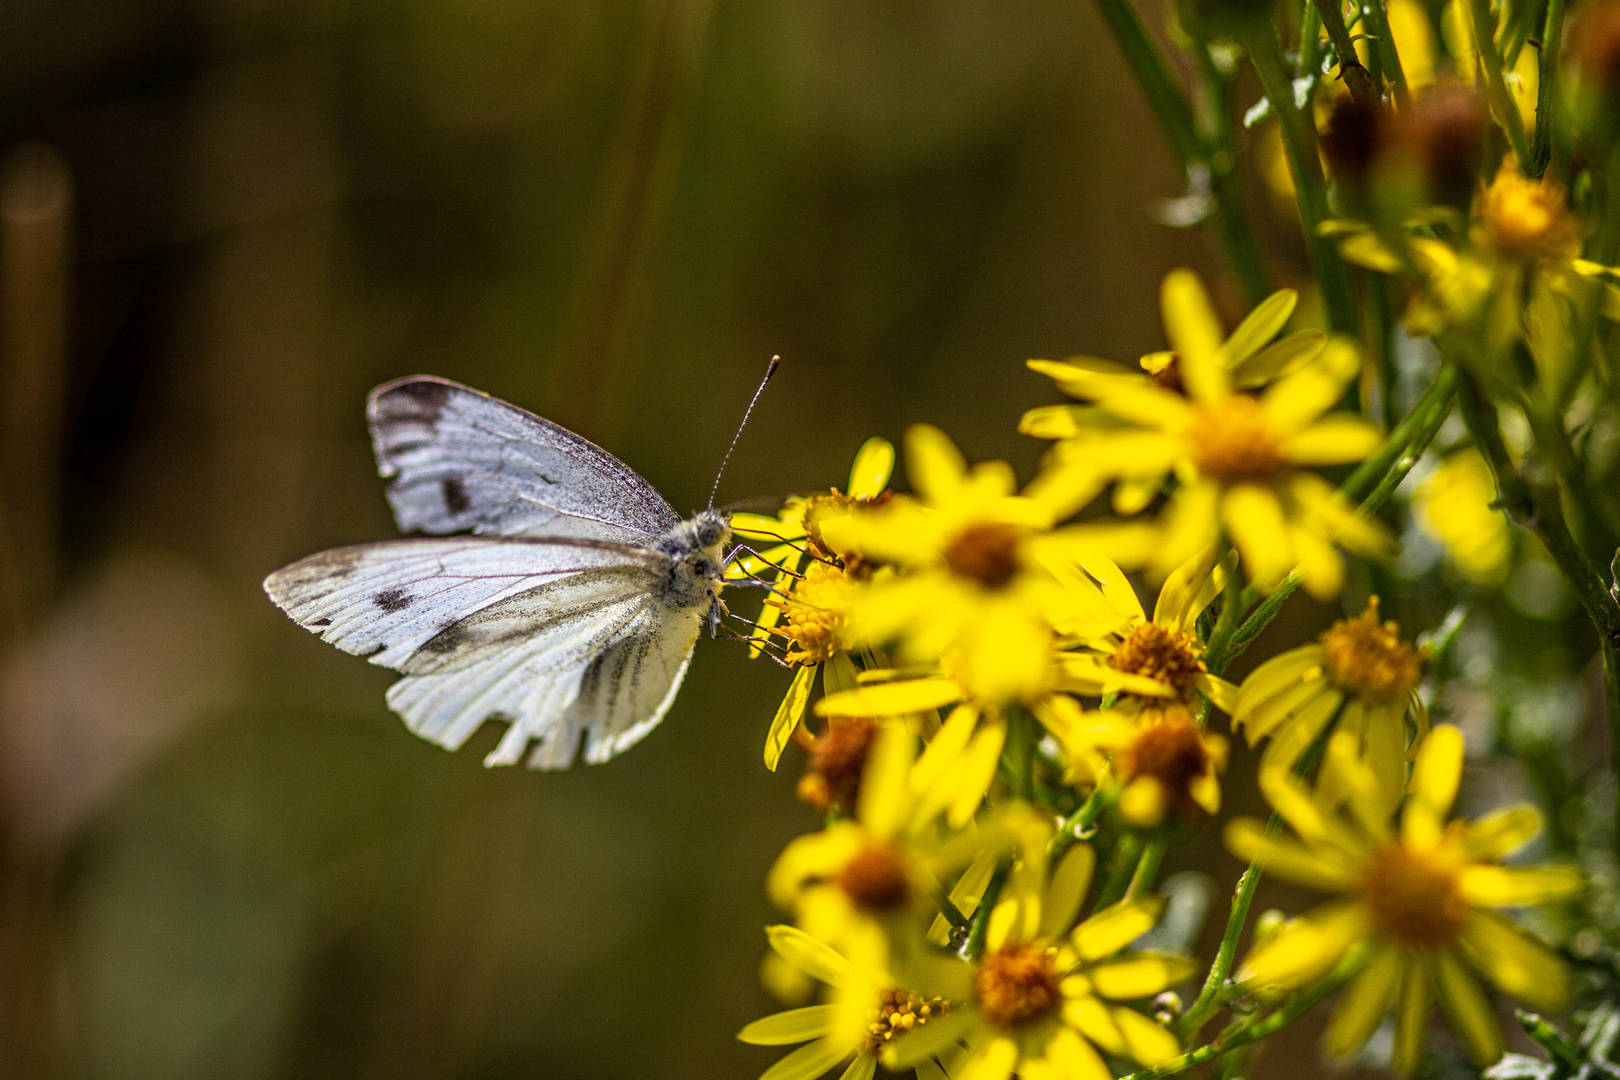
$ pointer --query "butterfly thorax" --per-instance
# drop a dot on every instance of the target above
(696, 549)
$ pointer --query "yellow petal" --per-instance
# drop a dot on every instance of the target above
(1520, 886)
(1307, 947)
(874, 464)
(809, 1062)
(1366, 249)
(1314, 867)
(1261, 325)
(1067, 891)
(1434, 782)
(1412, 1012)
(1195, 335)
(966, 893)
(864, 1067)
(793, 1026)
(1254, 519)
(934, 465)
(1182, 591)
(1364, 1002)
(1192, 523)
(1074, 1058)
(1498, 835)
(1512, 960)
(789, 714)
(1333, 440)
(995, 1061)
(978, 770)
(885, 794)
(934, 1037)
(1294, 401)
(1222, 694)
(945, 747)
(1094, 1020)
(1277, 359)
(810, 955)
(1146, 1041)
(1140, 975)
(1471, 1015)
(1113, 928)
(1281, 672)
(891, 699)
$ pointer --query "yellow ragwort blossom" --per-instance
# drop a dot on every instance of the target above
(1151, 661)
(1163, 763)
(1418, 900)
(1241, 461)
(1040, 999)
(868, 1010)
(1360, 672)
(1452, 506)
(966, 578)
(803, 620)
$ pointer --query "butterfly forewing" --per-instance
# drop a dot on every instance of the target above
(460, 460)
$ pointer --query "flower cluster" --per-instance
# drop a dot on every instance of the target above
(1004, 745)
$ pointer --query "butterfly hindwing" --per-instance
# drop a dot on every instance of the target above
(460, 460)
(560, 639)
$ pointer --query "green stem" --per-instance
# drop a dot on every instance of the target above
(1305, 163)
(1021, 753)
(1259, 1029)
(952, 913)
(1310, 44)
(1077, 826)
(981, 915)
(1388, 56)
(1552, 34)
(1127, 853)
(1355, 76)
(1212, 996)
(1233, 605)
(1502, 103)
(1147, 871)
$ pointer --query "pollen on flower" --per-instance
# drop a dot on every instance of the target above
(813, 614)
(837, 759)
(1016, 985)
(1171, 750)
(1527, 219)
(1413, 896)
(875, 879)
(1369, 659)
(1161, 653)
(1234, 442)
(899, 1011)
(986, 553)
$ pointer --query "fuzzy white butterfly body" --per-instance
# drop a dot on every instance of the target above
(571, 613)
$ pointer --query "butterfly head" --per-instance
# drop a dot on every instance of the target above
(711, 530)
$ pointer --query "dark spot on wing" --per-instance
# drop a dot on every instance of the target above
(392, 600)
(455, 495)
(445, 640)
(422, 401)
(320, 622)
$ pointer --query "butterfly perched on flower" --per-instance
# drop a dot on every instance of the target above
(568, 606)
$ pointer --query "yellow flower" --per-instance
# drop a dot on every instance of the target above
(1237, 458)
(1360, 672)
(1526, 220)
(1453, 507)
(803, 621)
(1154, 660)
(1037, 1000)
(1419, 902)
(969, 581)
(859, 1022)
(1162, 761)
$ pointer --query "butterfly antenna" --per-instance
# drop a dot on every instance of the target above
(776, 362)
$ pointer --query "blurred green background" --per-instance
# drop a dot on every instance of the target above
(224, 221)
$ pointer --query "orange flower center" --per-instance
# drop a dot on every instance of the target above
(812, 614)
(1172, 751)
(1413, 897)
(898, 1012)
(1016, 985)
(837, 757)
(875, 879)
(1528, 219)
(1369, 659)
(1234, 442)
(986, 553)
(1161, 653)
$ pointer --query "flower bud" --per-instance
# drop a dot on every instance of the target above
(1445, 136)
(1597, 54)
(1352, 138)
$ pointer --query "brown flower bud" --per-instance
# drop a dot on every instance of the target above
(1445, 133)
(1352, 137)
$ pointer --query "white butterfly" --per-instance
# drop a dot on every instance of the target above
(571, 612)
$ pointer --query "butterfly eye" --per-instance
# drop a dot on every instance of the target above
(710, 530)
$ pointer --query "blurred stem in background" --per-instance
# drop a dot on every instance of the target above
(36, 211)
(1209, 152)
(595, 359)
